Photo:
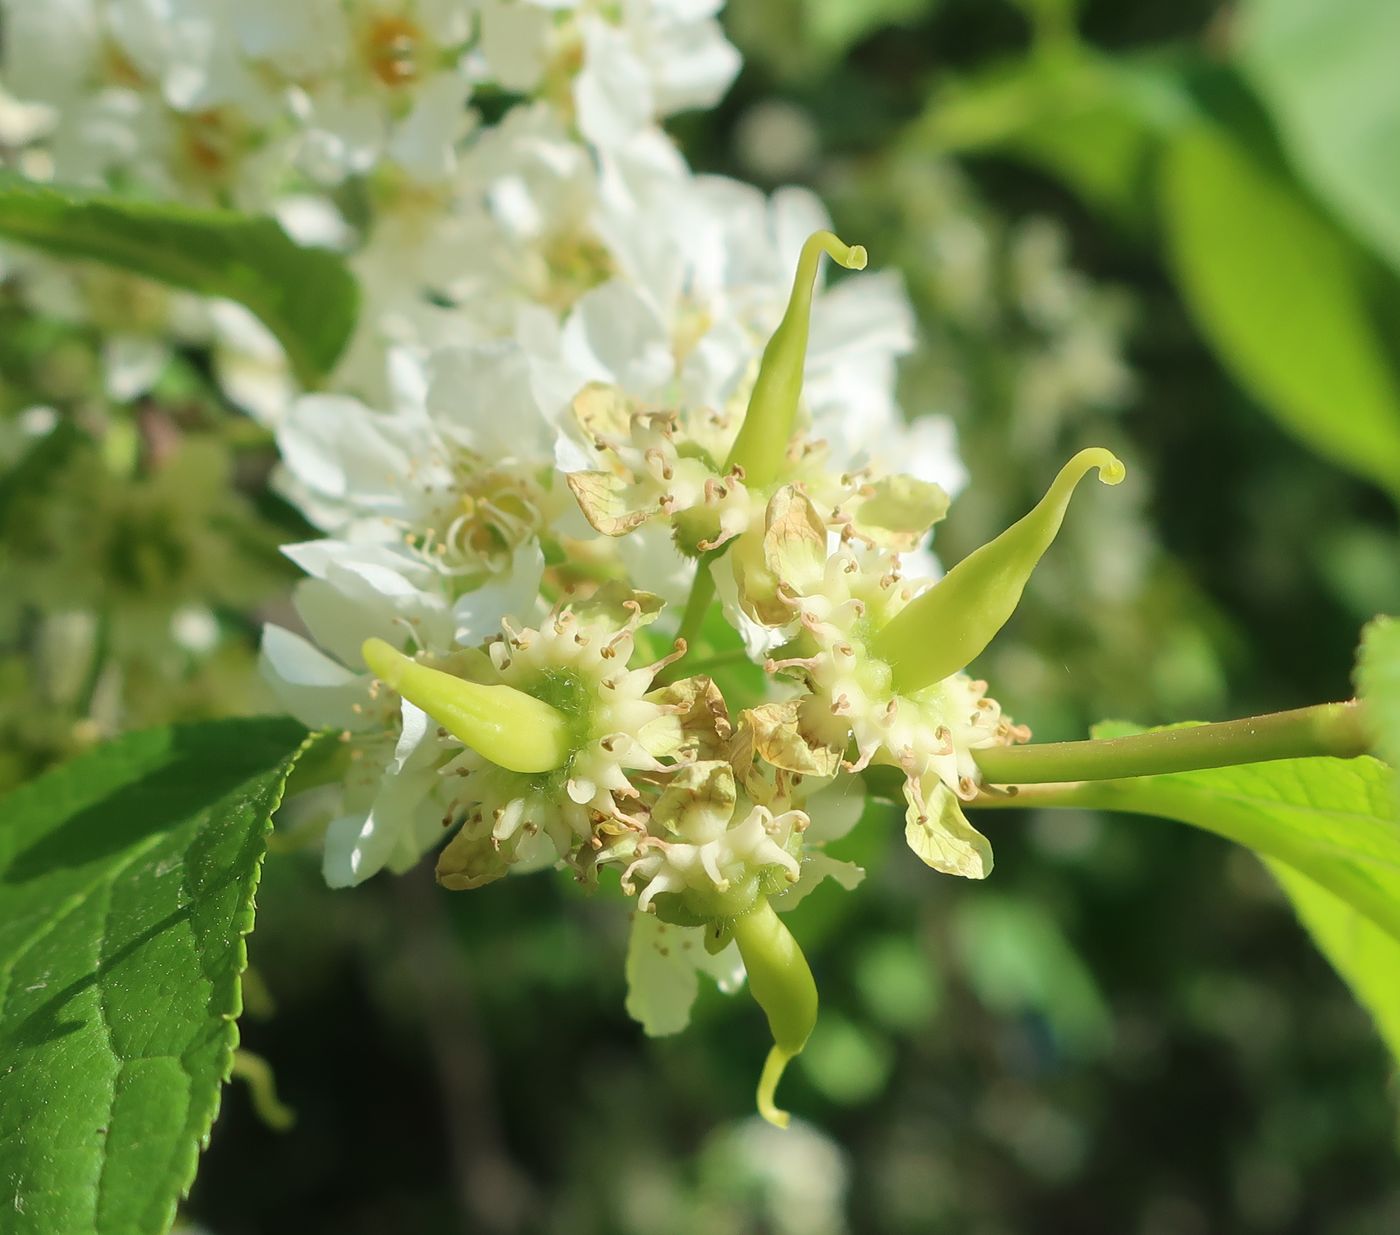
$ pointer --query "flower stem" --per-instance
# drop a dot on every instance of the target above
(1336, 729)
(720, 660)
(702, 595)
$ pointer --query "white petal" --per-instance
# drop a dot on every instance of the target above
(834, 810)
(401, 807)
(131, 364)
(312, 220)
(613, 91)
(614, 335)
(483, 396)
(477, 615)
(318, 691)
(648, 553)
(662, 964)
(357, 602)
(816, 867)
(514, 40)
(337, 859)
(424, 143)
(339, 454)
(695, 65)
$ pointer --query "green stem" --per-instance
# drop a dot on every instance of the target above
(719, 661)
(1336, 729)
(702, 595)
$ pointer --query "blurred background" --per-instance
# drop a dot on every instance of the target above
(1124, 1031)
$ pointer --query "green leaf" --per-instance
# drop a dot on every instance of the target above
(1285, 299)
(803, 38)
(1332, 819)
(1327, 73)
(1017, 960)
(305, 296)
(33, 474)
(1367, 957)
(1378, 683)
(126, 886)
(1327, 827)
(833, 27)
(1095, 122)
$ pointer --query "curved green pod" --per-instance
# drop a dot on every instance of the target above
(781, 981)
(942, 630)
(505, 725)
(763, 438)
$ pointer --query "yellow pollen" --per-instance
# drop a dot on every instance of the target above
(393, 50)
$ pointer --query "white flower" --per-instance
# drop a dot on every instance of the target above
(659, 59)
(580, 659)
(394, 799)
(403, 816)
(318, 691)
(50, 50)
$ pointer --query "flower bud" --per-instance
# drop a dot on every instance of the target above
(768, 424)
(942, 630)
(510, 728)
(781, 982)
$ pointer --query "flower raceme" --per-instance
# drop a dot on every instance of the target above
(590, 736)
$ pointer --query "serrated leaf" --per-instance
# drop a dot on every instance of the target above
(306, 297)
(1285, 298)
(126, 886)
(1378, 683)
(1327, 72)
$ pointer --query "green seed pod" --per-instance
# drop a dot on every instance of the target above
(941, 631)
(505, 725)
(781, 982)
(763, 439)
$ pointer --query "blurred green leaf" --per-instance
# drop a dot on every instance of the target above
(306, 297)
(1367, 957)
(1361, 566)
(1328, 73)
(1283, 296)
(1051, 18)
(1094, 122)
(849, 1063)
(126, 886)
(1018, 960)
(802, 38)
(34, 472)
(835, 26)
(898, 982)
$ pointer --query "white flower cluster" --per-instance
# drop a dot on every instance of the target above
(588, 419)
(359, 124)
(522, 230)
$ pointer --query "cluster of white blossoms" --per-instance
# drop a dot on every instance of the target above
(536, 575)
(359, 124)
(592, 443)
